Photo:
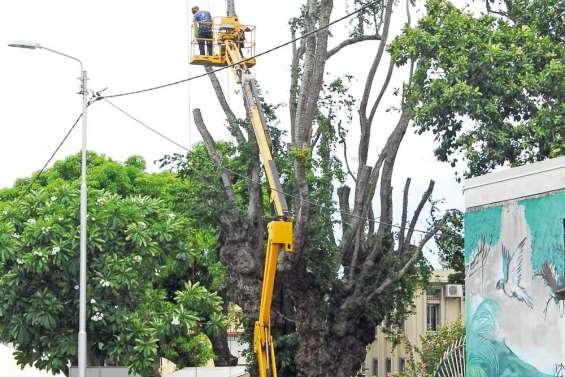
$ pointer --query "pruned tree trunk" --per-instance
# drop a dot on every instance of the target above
(230, 7)
(332, 323)
(220, 345)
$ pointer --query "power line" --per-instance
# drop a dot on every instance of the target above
(306, 35)
(34, 179)
(221, 166)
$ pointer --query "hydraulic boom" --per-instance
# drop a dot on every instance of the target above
(229, 34)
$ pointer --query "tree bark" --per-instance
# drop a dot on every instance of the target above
(224, 358)
(230, 7)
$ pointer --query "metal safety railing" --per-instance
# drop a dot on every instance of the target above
(208, 38)
(452, 363)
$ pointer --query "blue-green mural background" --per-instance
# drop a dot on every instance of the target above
(515, 268)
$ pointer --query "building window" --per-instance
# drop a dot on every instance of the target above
(401, 364)
(432, 316)
(388, 365)
(375, 368)
(433, 294)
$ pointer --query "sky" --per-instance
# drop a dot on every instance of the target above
(133, 44)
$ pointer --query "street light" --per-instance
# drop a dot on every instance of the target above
(82, 284)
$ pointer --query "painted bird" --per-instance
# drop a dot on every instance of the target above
(512, 275)
(557, 290)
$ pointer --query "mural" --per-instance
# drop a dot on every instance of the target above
(515, 288)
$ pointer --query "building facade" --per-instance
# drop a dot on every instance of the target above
(515, 271)
(441, 305)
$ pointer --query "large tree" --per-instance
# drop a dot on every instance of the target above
(343, 279)
(489, 86)
(151, 269)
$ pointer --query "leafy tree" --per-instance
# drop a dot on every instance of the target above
(451, 246)
(143, 300)
(490, 87)
(423, 360)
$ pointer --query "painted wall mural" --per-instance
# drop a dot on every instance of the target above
(515, 288)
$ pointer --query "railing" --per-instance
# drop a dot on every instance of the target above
(246, 42)
(452, 363)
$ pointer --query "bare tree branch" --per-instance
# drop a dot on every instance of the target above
(316, 137)
(351, 41)
(371, 216)
(416, 215)
(354, 258)
(297, 54)
(343, 199)
(230, 116)
(381, 93)
(311, 84)
(404, 213)
(389, 150)
(347, 162)
(211, 147)
(414, 257)
(377, 60)
(356, 220)
(363, 120)
(408, 15)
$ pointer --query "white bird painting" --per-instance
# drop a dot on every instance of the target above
(512, 275)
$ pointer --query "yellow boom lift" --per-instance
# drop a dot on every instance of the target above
(229, 40)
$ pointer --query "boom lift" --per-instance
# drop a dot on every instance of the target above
(229, 42)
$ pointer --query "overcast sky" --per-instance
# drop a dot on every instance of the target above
(132, 44)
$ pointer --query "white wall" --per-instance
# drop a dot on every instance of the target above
(9, 367)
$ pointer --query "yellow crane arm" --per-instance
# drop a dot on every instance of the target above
(279, 230)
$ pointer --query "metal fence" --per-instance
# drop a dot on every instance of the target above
(452, 363)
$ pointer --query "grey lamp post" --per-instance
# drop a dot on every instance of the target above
(82, 284)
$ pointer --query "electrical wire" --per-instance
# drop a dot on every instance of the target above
(221, 166)
(306, 35)
(36, 177)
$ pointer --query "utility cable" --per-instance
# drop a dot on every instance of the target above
(294, 40)
(221, 166)
(36, 177)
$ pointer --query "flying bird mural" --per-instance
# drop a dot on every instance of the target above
(512, 275)
(557, 289)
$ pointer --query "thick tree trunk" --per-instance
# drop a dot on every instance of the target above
(220, 343)
(224, 358)
(238, 253)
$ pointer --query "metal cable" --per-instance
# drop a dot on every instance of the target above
(221, 166)
(306, 35)
(34, 179)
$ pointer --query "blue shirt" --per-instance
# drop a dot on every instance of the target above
(204, 20)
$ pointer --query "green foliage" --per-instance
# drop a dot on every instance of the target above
(490, 88)
(423, 361)
(451, 245)
(142, 253)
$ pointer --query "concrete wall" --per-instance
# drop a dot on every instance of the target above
(103, 372)
(515, 259)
